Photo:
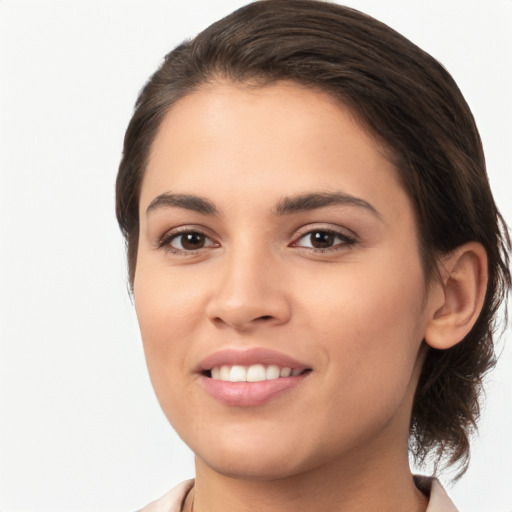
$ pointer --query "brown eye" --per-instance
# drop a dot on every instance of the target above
(322, 239)
(190, 241)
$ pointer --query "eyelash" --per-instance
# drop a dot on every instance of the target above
(166, 240)
(347, 241)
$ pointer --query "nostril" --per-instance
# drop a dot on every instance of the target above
(265, 317)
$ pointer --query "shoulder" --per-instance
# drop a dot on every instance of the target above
(171, 501)
(439, 501)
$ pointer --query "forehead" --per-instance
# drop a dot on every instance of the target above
(264, 140)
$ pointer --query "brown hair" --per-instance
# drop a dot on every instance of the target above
(412, 106)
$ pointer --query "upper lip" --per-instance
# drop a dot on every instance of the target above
(248, 357)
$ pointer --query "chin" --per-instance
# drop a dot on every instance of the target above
(258, 457)
(251, 467)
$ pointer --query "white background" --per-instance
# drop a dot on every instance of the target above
(80, 429)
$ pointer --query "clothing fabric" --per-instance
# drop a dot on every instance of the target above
(438, 498)
(172, 501)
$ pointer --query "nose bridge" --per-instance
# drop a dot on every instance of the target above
(248, 287)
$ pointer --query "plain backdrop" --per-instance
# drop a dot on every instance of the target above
(80, 428)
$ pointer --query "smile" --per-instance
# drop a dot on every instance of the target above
(250, 377)
(253, 373)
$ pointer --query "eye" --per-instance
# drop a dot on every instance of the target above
(186, 241)
(323, 239)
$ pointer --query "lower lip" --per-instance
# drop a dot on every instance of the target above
(250, 394)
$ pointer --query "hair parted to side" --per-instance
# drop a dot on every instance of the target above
(413, 108)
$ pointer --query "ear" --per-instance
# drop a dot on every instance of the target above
(459, 296)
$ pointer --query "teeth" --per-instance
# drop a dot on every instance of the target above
(285, 372)
(272, 372)
(237, 374)
(254, 373)
(224, 373)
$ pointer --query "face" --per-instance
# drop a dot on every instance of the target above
(279, 288)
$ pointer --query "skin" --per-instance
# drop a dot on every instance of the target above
(356, 314)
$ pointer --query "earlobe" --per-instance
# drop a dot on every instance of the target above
(463, 285)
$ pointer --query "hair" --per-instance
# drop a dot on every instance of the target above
(411, 105)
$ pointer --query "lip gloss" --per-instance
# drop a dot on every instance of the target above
(249, 394)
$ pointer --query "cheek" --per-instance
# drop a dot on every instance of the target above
(167, 314)
(166, 304)
(369, 326)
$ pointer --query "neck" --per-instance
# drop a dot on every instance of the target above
(379, 485)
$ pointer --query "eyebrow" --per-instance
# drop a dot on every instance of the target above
(186, 201)
(285, 206)
(305, 202)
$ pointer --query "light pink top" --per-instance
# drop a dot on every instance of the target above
(173, 500)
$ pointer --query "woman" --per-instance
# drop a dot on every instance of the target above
(316, 260)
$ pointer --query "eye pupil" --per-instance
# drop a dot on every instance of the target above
(322, 239)
(191, 241)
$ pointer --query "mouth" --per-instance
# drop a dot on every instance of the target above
(250, 377)
(253, 373)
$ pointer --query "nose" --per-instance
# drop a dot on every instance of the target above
(249, 292)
